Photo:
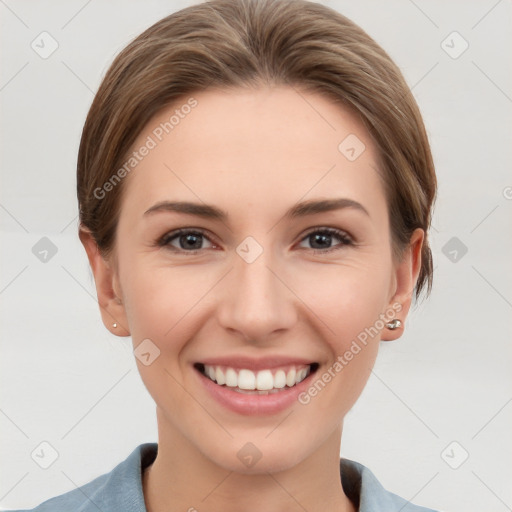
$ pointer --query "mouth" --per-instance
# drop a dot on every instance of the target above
(266, 381)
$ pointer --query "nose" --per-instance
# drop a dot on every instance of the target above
(257, 301)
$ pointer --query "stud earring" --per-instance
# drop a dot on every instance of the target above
(394, 324)
(114, 325)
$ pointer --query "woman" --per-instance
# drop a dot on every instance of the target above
(255, 188)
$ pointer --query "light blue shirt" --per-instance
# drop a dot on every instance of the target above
(120, 490)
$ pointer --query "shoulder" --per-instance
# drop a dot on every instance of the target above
(118, 490)
(121, 489)
(361, 485)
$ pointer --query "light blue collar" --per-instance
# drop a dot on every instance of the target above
(120, 490)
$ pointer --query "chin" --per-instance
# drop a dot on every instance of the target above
(260, 456)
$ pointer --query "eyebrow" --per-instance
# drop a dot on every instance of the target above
(302, 209)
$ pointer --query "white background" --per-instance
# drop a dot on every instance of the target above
(68, 381)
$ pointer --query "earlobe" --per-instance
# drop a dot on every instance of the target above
(405, 276)
(111, 305)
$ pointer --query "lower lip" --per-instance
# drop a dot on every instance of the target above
(254, 405)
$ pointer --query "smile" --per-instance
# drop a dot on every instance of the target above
(262, 382)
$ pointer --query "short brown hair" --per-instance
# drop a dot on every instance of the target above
(236, 43)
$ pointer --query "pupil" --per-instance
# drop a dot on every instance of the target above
(326, 239)
(190, 239)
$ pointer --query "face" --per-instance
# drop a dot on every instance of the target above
(259, 284)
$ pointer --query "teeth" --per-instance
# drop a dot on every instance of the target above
(280, 379)
(290, 377)
(219, 376)
(231, 378)
(246, 379)
(264, 381)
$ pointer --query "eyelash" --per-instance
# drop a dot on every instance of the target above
(165, 240)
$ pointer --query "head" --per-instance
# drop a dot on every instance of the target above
(259, 109)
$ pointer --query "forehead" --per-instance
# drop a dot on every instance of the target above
(258, 147)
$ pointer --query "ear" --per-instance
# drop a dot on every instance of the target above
(107, 286)
(406, 274)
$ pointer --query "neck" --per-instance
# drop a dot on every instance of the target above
(183, 479)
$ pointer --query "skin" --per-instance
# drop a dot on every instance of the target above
(254, 153)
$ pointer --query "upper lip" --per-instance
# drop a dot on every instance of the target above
(251, 363)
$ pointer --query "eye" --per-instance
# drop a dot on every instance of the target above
(184, 240)
(191, 240)
(322, 239)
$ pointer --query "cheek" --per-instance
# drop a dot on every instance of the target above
(346, 297)
(343, 299)
(158, 299)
